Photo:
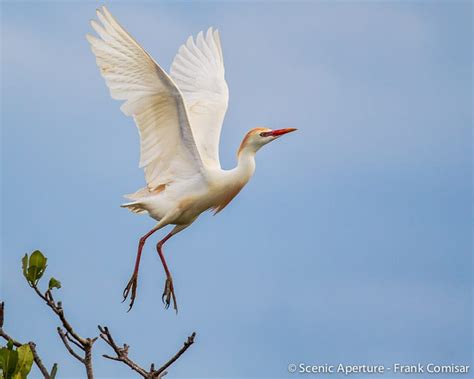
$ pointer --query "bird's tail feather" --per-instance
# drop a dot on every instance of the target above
(135, 207)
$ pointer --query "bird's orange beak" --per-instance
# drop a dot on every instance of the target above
(278, 132)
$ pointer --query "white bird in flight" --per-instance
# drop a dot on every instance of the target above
(179, 118)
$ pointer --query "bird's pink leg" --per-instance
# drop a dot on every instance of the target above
(133, 282)
(168, 292)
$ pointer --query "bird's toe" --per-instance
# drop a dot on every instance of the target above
(168, 295)
(130, 289)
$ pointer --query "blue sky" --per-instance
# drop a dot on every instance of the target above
(352, 243)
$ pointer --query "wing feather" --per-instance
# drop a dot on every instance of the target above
(198, 71)
(168, 151)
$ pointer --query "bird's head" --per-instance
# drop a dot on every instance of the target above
(258, 137)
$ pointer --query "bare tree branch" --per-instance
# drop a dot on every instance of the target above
(121, 352)
(58, 309)
(38, 361)
(85, 344)
(122, 355)
(73, 341)
(68, 347)
(32, 345)
(181, 351)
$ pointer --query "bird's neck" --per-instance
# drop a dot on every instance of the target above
(245, 164)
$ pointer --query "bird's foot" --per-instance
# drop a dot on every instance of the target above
(168, 294)
(131, 286)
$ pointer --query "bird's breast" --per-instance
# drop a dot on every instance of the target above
(223, 191)
(219, 191)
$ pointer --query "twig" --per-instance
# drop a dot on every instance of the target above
(85, 344)
(68, 347)
(181, 351)
(58, 309)
(122, 355)
(38, 361)
(73, 341)
(32, 345)
(122, 352)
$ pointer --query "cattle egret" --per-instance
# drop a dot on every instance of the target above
(179, 118)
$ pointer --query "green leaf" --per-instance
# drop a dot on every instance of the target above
(24, 265)
(25, 361)
(36, 267)
(10, 345)
(54, 371)
(37, 258)
(8, 362)
(54, 283)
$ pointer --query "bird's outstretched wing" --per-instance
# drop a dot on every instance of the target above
(168, 149)
(198, 70)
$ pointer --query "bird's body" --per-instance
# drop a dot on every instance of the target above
(184, 202)
(179, 118)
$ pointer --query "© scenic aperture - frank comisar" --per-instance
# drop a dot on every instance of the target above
(179, 118)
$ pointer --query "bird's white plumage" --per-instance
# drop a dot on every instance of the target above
(179, 118)
(168, 148)
(198, 70)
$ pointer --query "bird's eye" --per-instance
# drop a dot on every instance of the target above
(264, 134)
